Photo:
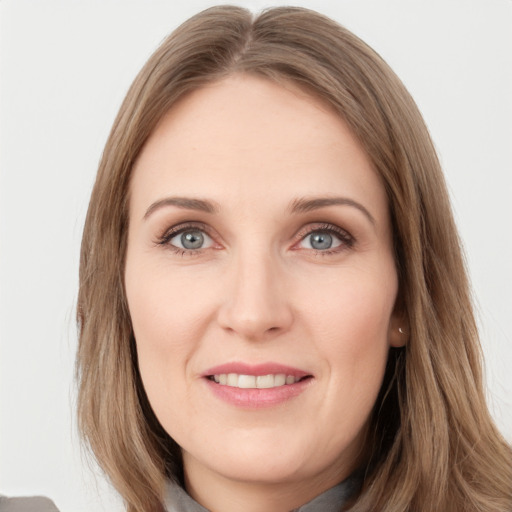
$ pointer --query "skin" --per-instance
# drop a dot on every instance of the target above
(257, 291)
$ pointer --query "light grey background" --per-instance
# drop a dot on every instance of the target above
(64, 69)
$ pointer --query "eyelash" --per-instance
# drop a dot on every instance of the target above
(177, 230)
(347, 240)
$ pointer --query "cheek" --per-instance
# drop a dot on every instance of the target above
(351, 329)
(171, 312)
(354, 309)
(164, 318)
(164, 308)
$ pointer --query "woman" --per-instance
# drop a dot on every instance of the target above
(273, 306)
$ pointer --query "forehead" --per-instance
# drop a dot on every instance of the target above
(251, 139)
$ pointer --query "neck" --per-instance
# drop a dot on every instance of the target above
(221, 494)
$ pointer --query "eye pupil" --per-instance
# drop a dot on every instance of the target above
(192, 239)
(321, 241)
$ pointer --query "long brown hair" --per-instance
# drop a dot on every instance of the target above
(432, 443)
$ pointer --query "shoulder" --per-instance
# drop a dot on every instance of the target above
(27, 504)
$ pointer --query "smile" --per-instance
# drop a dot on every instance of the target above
(254, 382)
(250, 386)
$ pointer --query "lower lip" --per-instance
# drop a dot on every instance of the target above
(252, 398)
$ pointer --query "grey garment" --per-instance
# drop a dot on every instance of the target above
(32, 504)
(177, 499)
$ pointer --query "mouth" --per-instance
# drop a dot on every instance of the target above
(255, 386)
(243, 381)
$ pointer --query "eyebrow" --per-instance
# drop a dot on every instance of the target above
(186, 203)
(300, 205)
(304, 205)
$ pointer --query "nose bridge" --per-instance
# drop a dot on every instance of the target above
(256, 303)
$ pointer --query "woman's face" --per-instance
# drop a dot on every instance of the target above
(261, 284)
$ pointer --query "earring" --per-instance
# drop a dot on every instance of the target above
(401, 331)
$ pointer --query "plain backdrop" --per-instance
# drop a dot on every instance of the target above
(64, 69)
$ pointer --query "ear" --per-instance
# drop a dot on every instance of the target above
(398, 333)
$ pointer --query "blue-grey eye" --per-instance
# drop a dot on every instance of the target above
(321, 241)
(191, 240)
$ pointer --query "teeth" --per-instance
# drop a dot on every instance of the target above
(246, 381)
(265, 381)
(250, 381)
(280, 379)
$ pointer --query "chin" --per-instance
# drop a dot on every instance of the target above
(262, 471)
(275, 461)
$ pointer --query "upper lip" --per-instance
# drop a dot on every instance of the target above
(255, 369)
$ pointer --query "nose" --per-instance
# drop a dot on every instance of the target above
(256, 304)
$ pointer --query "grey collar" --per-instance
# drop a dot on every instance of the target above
(177, 499)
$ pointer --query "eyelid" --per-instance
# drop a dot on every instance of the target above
(165, 238)
(184, 226)
(206, 239)
(342, 234)
(347, 240)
